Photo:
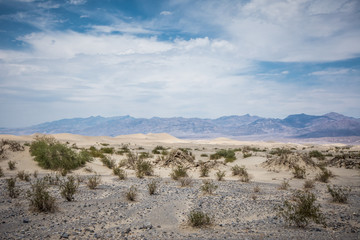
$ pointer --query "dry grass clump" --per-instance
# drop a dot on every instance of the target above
(241, 172)
(208, 187)
(324, 175)
(339, 194)
(23, 176)
(220, 175)
(69, 188)
(301, 210)
(299, 172)
(257, 189)
(204, 170)
(309, 184)
(12, 165)
(118, 171)
(153, 186)
(289, 161)
(179, 157)
(131, 194)
(11, 187)
(179, 172)
(40, 199)
(197, 218)
(284, 185)
(93, 181)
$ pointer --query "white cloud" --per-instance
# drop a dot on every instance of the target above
(331, 72)
(165, 13)
(77, 2)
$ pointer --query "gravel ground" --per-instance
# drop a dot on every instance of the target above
(237, 212)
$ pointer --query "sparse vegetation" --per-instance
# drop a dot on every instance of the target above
(40, 199)
(178, 172)
(284, 185)
(241, 172)
(1, 172)
(299, 172)
(69, 188)
(229, 155)
(118, 171)
(280, 151)
(316, 154)
(51, 154)
(157, 149)
(12, 165)
(35, 174)
(144, 168)
(185, 181)
(301, 209)
(246, 154)
(108, 150)
(11, 187)
(257, 189)
(110, 163)
(197, 218)
(131, 194)
(23, 176)
(204, 170)
(309, 184)
(152, 186)
(324, 175)
(94, 181)
(204, 155)
(339, 194)
(220, 175)
(208, 187)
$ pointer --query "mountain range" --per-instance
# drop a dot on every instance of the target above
(299, 126)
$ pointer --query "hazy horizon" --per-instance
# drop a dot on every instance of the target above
(204, 59)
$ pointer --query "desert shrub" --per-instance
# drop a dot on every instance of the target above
(132, 159)
(324, 175)
(144, 168)
(11, 165)
(254, 197)
(299, 172)
(246, 154)
(338, 194)
(301, 210)
(40, 199)
(69, 188)
(157, 149)
(123, 149)
(88, 169)
(93, 181)
(94, 152)
(204, 170)
(284, 185)
(23, 176)
(316, 154)
(220, 175)
(51, 154)
(144, 155)
(35, 173)
(11, 187)
(241, 172)
(185, 181)
(152, 186)
(108, 150)
(1, 172)
(110, 163)
(178, 172)
(280, 151)
(257, 188)
(120, 173)
(308, 184)
(197, 218)
(204, 155)
(131, 194)
(52, 180)
(208, 187)
(229, 155)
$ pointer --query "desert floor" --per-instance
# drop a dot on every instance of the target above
(236, 209)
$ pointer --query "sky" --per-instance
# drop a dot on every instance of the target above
(177, 58)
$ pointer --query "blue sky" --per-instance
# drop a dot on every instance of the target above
(80, 58)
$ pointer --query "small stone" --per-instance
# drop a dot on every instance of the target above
(26, 220)
(64, 235)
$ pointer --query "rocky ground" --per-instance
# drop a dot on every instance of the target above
(236, 209)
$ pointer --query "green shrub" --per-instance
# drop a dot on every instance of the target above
(241, 172)
(316, 154)
(198, 218)
(108, 150)
(94, 181)
(144, 155)
(11, 187)
(11, 165)
(301, 210)
(39, 197)
(123, 149)
(144, 168)
(94, 152)
(204, 170)
(220, 175)
(157, 149)
(299, 172)
(69, 188)
(229, 155)
(324, 175)
(247, 154)
(49, 179)
(178, 172)
(23, 176)
(308, 184)
(152, 186)
(204, 155)
(208, 187)
(120, 173)
(51, 154)
(131, 194)
(284, 185)
(110, 163)
(280, 151)
(338, 194)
